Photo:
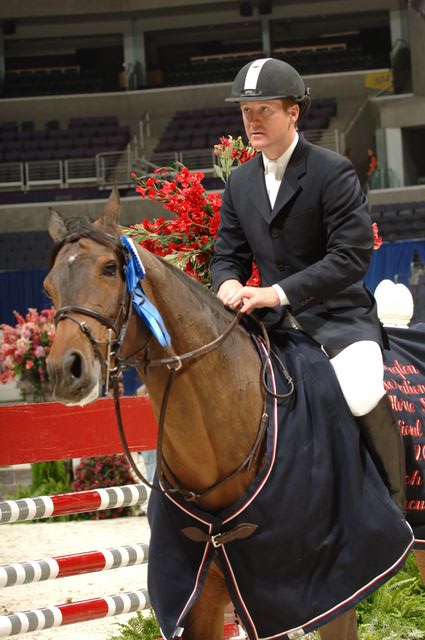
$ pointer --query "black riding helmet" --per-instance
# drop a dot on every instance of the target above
(270, 79)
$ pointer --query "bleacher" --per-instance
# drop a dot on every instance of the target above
(202, 128)
(52, 81)
(308, 60)
(400, 221)
(83, 138)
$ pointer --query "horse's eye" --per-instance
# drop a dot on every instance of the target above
(110, 269)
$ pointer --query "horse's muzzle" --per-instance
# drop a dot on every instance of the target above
(73, 379)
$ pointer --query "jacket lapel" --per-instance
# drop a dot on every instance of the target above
(257, 189)
(297, 167)
(289, 187)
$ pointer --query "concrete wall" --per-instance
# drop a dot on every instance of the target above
(34, 217)
(387, 196)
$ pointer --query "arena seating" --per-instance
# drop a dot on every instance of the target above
(308, 60)
(400, 221)
(52, 81)
(202, 128)
(83, 138)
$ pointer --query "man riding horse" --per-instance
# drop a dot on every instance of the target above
(298, 210)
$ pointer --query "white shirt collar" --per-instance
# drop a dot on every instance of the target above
(283, 160)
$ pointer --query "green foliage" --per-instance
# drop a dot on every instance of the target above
(103, 471)
(140, 627)
(48, 479)
(396, 611)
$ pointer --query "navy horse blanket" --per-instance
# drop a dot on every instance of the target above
(405, 386)
(327, 533)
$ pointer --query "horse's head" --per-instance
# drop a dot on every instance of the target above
(86, 287)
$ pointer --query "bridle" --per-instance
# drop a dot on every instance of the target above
(174, 363)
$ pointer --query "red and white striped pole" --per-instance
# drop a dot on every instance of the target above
(66, 503)
(82, 611)
(72, 565)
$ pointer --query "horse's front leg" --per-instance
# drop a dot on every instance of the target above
(205, 620)
(342, 628)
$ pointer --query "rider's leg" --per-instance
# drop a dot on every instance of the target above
(342, 628)
(360, 371)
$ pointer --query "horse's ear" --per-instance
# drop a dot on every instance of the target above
(56, 226)
(109, 220)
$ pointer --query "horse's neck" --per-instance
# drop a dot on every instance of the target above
(215, 403)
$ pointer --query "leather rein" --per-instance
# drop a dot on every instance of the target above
(174, 363)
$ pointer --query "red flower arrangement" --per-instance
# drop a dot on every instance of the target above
(187, 238)
(24, 350)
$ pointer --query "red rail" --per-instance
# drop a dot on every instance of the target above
(52, 431)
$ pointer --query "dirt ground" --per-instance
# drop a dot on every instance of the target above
(34, 541)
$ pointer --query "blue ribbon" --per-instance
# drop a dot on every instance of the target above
(134, 273)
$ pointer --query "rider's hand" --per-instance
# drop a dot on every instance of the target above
(227, 290)
(249, 298)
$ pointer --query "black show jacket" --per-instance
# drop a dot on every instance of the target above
(316, 243)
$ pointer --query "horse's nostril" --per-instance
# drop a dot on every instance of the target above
(76, 365)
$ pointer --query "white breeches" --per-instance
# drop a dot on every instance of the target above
(360, 372)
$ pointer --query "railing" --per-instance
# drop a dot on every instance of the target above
(103, 169)
(115, 167)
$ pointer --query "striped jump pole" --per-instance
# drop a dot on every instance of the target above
(72, 565)
(82, 611)
(67, 503)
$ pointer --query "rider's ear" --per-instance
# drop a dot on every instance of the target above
(109, 220)
(56, 225)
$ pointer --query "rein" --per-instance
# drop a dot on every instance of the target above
(175, 364)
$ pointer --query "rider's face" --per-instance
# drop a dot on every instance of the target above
(270, 125)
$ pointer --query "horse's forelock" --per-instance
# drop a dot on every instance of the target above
(77, 228)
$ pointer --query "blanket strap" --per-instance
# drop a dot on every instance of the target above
(240, 532)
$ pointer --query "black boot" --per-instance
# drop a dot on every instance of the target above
(382, 436)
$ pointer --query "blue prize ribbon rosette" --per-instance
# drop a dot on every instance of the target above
(134, 273)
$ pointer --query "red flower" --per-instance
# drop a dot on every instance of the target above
(187, 238)
(377, 240)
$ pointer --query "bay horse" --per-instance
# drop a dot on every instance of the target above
(201, 457)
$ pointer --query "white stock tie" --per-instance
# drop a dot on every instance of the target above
(272, 182)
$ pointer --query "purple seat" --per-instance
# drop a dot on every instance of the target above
(26, 135)
(117, 141)
(40, 135)
(54, 133)
(11, 156)
(198, 142)
(8, 135)
(27, 156)
(76, 152)
(43, 154)
(57, 154)
(14, 145)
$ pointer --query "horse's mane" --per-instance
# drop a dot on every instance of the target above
(81, 227)
(203, 294)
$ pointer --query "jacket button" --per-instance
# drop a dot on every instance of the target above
(275, 232)
(281, 267)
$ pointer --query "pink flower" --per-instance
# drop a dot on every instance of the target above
(39, 352)
(29, 364)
